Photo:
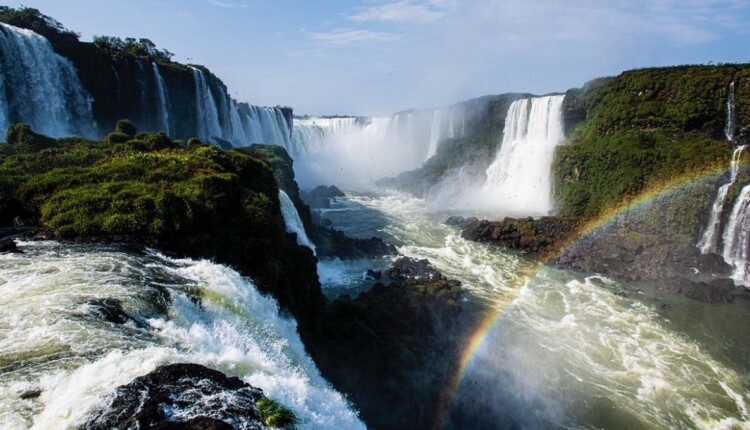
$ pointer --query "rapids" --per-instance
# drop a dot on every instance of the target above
(59, 361)
(568, 349)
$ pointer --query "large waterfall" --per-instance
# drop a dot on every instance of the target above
(736, 234)
(39, 87)
(519, 180)
(351, 151)
(293, 221)
(709, 239)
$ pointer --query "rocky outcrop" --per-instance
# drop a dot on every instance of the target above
(541, 236)
(394, 344)
(182, 396)
(320, 197)
(332, 243)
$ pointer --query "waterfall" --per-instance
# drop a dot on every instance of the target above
(737, 237)
(709, 241)
(206, 114)
(267, 125)
(519, 180)
(434, 133)
(352, 151)
(60, 348)
(730, 127)
(39, 87)
(163, 98)
(293, 221)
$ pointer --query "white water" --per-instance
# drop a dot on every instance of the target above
(352, 152)
(709, 240)
(566, 350)
(206, 114)
(39, 87)
(266, 125)
(293, 221)
(731, 115)
(737, 238)
(519, 180)
(163, 98)
(51, 343)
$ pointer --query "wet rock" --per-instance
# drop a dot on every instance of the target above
(528, 235)
(33, 394)
(320, 197)
(374, 274)
(716, 291)
(332, 243)
(460, 222)
(7, 244)
(110, 310)
(181, 396)
(411, 271)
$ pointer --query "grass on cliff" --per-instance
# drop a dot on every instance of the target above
(645, 128)
(276, 415)
(195, 200)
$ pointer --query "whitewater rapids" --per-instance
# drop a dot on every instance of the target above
(58, 361)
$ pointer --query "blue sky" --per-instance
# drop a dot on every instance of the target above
(372, 57)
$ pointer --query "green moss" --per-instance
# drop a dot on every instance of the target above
(202, 202)
(642, 130)
(276, 415)
(126, 127)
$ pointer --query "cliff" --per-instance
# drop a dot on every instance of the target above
(134, 79)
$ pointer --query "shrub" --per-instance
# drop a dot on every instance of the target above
(126, 127)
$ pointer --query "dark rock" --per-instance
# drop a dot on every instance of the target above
(206, 398)
(198, 423)
(539, 236)
(33, 394)
(373, 274)
(460, 222)
(332, 243)
(716, 291)
(109, 310)
(7, 244)
(393, 344)
(320, 197)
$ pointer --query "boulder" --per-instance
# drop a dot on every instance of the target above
(167, 398)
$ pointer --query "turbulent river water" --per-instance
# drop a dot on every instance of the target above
(59, 361)
(567, 350)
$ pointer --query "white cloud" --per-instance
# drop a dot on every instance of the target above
(405, 11)
(344, 37)
(228, 3)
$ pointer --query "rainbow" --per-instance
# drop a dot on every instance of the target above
(589, 228)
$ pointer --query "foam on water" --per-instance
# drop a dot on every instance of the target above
(52, 344)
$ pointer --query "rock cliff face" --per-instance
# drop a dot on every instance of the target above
(133, 79)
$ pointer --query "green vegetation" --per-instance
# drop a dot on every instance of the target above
(644, 129)
(276, 415)
(203, 202)
(141, 48)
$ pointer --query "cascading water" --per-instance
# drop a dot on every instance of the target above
(737, 238)
(519, 180)
(352, 151)
(39, 87)
(206, 114)
(59, 360)
(267, 125)
(163, 97)
(293, 221)
(709, 240)
(731, 115)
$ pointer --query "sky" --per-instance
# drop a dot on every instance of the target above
(376, 57)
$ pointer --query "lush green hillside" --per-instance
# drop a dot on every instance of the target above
(645, 128)
(147, 189)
